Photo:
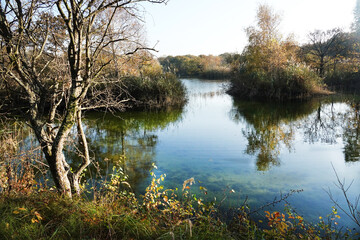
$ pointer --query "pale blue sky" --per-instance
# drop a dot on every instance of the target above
(214, 27)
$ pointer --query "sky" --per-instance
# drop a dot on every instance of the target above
(213, 27)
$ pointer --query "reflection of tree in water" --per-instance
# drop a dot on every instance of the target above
(269, 127)
(266, 142)
(351, 134)
(323, 124)
(331, 121)
(126, 140)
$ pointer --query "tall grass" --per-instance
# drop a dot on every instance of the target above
(154, 91)
(293, 81)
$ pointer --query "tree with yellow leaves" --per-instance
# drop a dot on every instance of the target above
(269, 66)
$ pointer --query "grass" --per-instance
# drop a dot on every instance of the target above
(48, 216)
(155, 91)
(159, 214)
(294, 81)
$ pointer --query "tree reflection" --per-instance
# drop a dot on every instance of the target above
(323, 125)
(269, 127)
(351, 134)
(127, 140)
(334, 120)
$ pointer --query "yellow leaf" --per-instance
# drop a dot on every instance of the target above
(22, 209)
(15, 212)
(38, 215)
(34, 220)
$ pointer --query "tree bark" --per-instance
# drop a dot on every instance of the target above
(76, 177)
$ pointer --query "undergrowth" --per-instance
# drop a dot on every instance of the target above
(159, 214)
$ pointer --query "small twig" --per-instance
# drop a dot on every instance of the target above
(352, 208)
(276, 201)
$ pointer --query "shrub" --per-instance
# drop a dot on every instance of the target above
(348, 81)
(269, 67)
(290, 82)
(154, 91)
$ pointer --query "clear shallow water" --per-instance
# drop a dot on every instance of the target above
(258, 149)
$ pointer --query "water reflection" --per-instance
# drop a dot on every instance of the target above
(335, 121)
(127, 139)
(325, 123)
(351, 135)
(271, 127)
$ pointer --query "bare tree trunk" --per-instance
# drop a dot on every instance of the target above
(59, 171)
(76, 176)
(58, 166)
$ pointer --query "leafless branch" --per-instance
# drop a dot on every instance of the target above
(352, 208)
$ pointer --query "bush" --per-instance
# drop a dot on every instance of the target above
(154, 91)
(348, 81)
(290, 82)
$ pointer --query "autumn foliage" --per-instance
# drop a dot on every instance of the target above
(269, 67)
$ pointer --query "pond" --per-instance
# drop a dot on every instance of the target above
(258, 149)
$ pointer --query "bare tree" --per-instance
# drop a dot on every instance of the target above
(322, 45)
(55, 50)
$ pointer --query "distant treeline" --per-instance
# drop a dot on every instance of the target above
(210, 67)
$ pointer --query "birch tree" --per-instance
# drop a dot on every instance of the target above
(54, 51)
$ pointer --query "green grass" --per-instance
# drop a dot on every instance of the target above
(48, 216)
(155, 91)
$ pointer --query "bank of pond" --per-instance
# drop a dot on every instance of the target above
(211, 168)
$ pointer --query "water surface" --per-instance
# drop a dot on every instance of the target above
(259, 149)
